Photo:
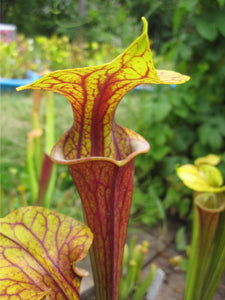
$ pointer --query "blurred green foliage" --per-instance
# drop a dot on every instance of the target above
(15, 123)
(197, 48)
(157, 188)
(43, 54)
(189, 121)
(132, 286)
(99, 21)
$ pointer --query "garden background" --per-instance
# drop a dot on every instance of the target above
(181, 123)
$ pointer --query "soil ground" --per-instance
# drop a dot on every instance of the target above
(162, 247)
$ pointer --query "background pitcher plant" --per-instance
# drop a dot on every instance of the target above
(207, 255)
(99, 153)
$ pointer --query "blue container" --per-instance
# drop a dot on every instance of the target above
(10, 85)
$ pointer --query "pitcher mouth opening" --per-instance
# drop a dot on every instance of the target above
(58, 156)
(206, 202)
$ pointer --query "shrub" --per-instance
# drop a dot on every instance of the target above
(187, 122)
(43, 54)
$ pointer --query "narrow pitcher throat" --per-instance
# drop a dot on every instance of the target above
(99, 136)
(112, 143)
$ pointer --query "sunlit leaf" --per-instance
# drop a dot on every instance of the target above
(39, 249)
(210, 159)
(204, 179)
(211, 174)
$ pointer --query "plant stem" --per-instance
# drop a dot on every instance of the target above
(64, 199)
(37, 97)
(217, 262)
(49, 142)
(49, 122)
(143, 287)
(31, 167)
(44, 181)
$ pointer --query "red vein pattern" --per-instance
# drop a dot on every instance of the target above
(106, 192)
(100, 153)
(37, 252)
(94, 94)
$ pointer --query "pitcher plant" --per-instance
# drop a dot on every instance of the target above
(100, 154)
(207, 257)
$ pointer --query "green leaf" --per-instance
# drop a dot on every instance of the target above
(158, 203)
(207, 29)
(185, 52)
(184, 206)
(215, 139)
(178, 18)
(162, 109)
(183, 138)
(221, 2)
(210, 134)
(172, 198)
(220, 22)
(210, 159)
(159, 152)
(211, 174)
(183, 264)
(181, 239)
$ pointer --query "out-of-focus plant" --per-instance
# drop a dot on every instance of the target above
(131, 283)
(43, 53)
(41, 169)
(39, 252)
(181, 260)
(17, 58)
(100, 154)
(197, 48)
(186, 122)
(18, 120)
(157, 190)
(76, 19)
(82, 20)
(207, 254)
(36, 55)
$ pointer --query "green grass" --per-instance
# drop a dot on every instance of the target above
(15, 124)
